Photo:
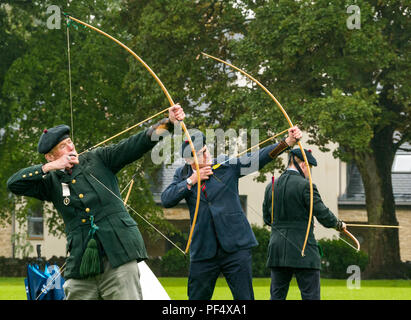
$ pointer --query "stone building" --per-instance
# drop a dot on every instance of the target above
(339, 184)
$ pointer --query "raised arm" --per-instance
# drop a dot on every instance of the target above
(129, 150)
(29, 182)
(254, 161)
(176, 191)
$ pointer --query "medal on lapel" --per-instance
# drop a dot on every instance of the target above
(66, 193)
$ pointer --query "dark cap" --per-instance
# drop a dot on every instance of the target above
(51, 137)
(297, 152)
(199, 141)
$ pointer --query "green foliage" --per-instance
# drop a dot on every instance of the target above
(358, 114)
(260, 252)
(22, 246)
(337, 256)
(170, 35)
(344, 86)
(35, 95)
(174, 264)
(326, 75)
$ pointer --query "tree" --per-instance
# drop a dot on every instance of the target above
(342, 85)
(347, 86)
(35, 93)
(171, 35)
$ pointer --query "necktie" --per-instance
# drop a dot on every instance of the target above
(203, 187)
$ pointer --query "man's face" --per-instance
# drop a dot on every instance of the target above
(203, 156)
(65, 147)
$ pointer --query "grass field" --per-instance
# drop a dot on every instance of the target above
(13, 289)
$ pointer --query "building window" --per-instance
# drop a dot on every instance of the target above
(402, 163)
(35, 221)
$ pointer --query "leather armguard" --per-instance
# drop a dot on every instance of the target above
(338, 226)
(280, 148)
(160, 127)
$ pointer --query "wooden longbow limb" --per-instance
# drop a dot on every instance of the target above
(291, 125)
(357, 243)
(170, 100)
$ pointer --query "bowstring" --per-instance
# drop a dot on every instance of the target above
(254, 146)
(53, 279)
(76, 25)
(255, 212)
(61, 270)
(141, 216)
(128, 184)
(70, 87)
(340, 238)
(248, 206)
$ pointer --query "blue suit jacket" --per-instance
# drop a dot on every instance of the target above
(220, 216)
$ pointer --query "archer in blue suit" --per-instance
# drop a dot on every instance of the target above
(222, 238)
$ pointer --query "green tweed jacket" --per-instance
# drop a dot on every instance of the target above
(118, 235)
(291, 210)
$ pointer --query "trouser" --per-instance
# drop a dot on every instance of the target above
(308, 281)
(236, 268)
(121, 283)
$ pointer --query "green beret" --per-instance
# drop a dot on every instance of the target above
(297, 152)
(199, 141)
(51, 137)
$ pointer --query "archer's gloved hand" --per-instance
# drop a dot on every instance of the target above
(340, 225)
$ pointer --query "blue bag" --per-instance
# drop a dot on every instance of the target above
(47, 285)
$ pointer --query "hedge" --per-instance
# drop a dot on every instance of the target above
(13, 267)
(337, 257)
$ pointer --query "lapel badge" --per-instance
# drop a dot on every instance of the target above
(66, 201)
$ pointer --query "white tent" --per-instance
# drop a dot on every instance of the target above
(150, 286)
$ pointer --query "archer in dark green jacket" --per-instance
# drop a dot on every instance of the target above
(288, 226)
(84, 190)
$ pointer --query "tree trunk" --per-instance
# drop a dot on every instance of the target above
(383, 244)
